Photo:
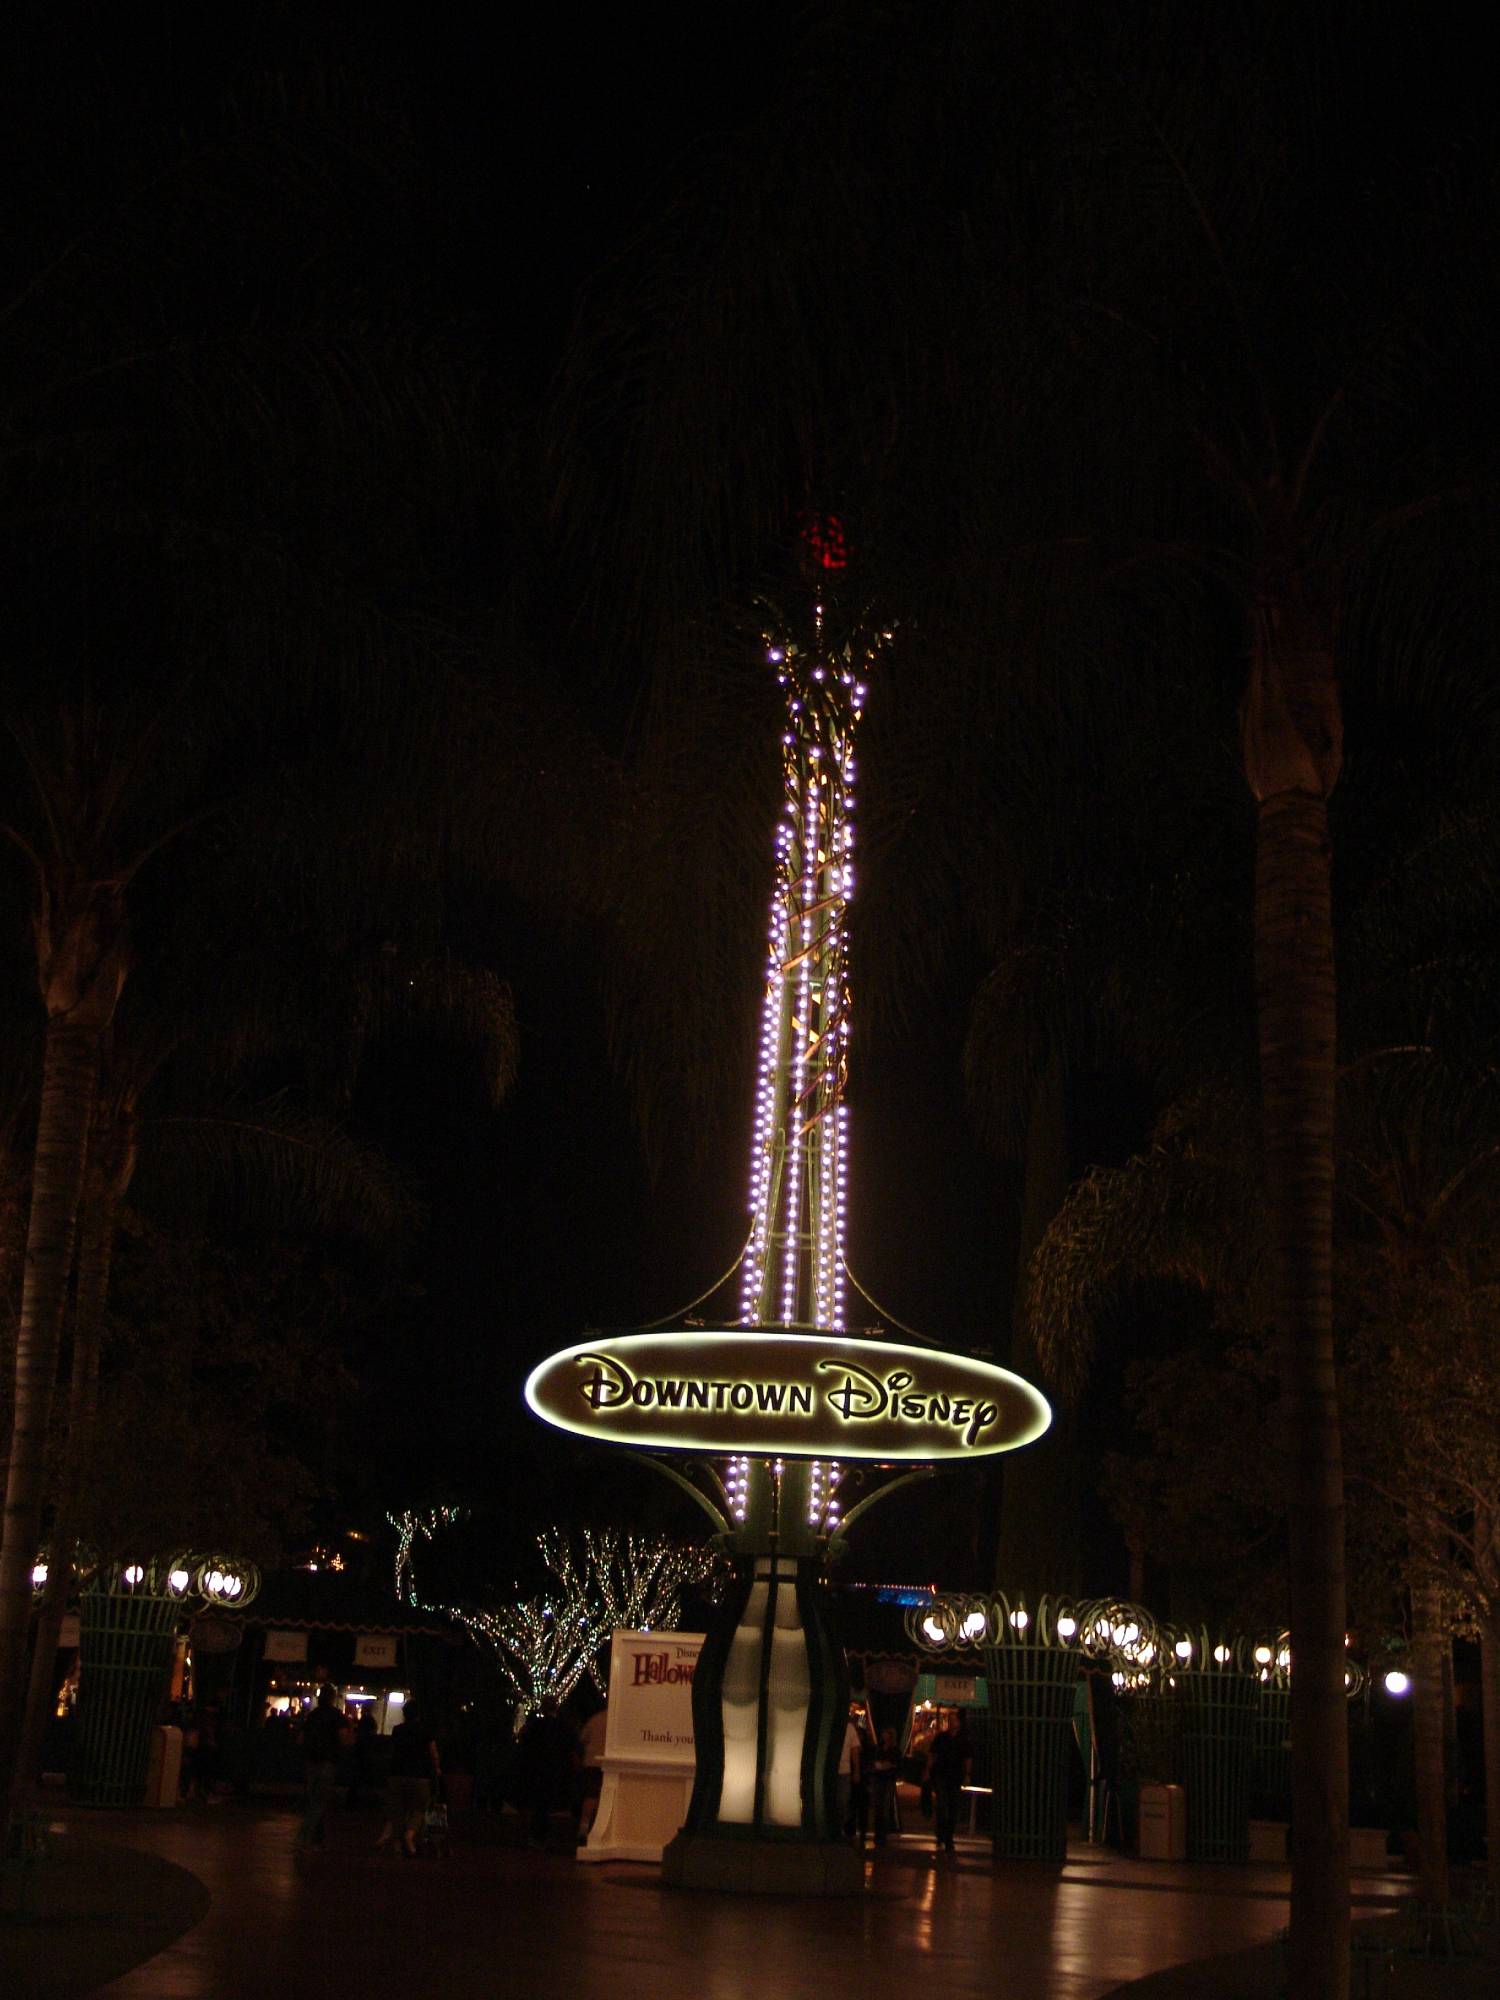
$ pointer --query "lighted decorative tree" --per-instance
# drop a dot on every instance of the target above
(628, 1583)
(541, 1646)
(545, 1645)
(411, 1528)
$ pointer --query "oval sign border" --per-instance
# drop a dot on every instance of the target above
(1022, 1412)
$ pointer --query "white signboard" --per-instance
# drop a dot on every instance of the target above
(375, 1649)
(954, 1687)
(649, 1759)
(286, 1646)
(650, 1718)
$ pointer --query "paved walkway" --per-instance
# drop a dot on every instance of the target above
(348, 1921)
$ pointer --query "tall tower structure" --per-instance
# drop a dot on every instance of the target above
(769, 1713)
(793, 1271)
(792, 1274)
(780, 1409)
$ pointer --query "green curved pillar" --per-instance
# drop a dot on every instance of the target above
(770, 1698)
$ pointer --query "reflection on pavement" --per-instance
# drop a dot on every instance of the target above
(348, 1921)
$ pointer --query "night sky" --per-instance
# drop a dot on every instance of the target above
(546, 149)
(536, 145)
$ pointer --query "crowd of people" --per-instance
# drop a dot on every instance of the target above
(552, 1773)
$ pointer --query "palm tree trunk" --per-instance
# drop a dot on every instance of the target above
(111, 1165)
(1489, 1686)
(1487, 1566)
(1428, 1641)
(1037, 1548)
(50, 1611)
(14, 1189)
(1291, 741)
(13, 1192)
(70, 1084)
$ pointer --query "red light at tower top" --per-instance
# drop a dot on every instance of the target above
(824, 545)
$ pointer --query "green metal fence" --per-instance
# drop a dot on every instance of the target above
(126, 1643)
(1208, 1713)
(1031, 1718)
(1033, 1657)
(129, 1613)
(1219, 1709)
(1272, 1776)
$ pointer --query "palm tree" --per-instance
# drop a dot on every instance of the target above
(265, 1164)
(1423, 1380)
(1418, 1184)
(198, 1025)
(82, 955)
(225, 515)
(1120, 954)
(110, 1167)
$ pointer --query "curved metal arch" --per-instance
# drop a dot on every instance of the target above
(722, 1524)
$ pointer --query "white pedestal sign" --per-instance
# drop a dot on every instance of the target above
(649, 1759)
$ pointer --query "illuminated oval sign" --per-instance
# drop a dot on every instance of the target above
(805, 1395)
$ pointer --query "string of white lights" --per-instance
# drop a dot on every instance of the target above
(799, 1174)
(799, 1147)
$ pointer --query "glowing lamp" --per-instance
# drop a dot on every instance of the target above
(1397, 1683)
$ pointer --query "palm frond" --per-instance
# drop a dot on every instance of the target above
(276, 1168)
(1188, 1209)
